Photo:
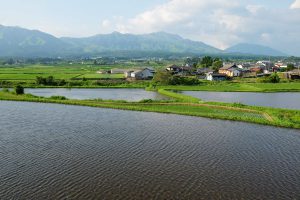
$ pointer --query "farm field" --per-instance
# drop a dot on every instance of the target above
(101, 76)
(58, 72)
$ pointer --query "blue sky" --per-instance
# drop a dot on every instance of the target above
(221, 23)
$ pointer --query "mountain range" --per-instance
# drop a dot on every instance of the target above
(20, 42)
(254, 49)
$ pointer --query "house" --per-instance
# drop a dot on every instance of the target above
(174, 69)
(128, 73)
(294, 74)
(231, 70)
(244, 66)
(216, 77)
(142, 74)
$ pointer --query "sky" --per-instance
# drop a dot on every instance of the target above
(220, 23)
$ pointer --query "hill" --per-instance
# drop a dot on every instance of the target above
(254, 49)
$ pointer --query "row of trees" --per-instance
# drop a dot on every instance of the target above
(205, 62)
(166, 78)
(50, 81)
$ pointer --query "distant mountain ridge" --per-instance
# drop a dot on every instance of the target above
(20, 42)
(16, 41)
(162, 42)
(254, 49)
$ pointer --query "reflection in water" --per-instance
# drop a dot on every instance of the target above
(108, 94)
(68, 152)
(290, 100)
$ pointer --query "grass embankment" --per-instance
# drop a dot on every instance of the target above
(236, 112)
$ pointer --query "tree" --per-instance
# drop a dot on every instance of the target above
(192, 61)
(19, 90)
(207, 61)
(274, 78)
(217, 65)
(162, 77)
(50, 80)
(290, 67)
(40, 80)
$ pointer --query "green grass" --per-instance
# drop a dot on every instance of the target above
(67, 72)
(178, 96)
(34, 75)
(235, 112)
(102, 76)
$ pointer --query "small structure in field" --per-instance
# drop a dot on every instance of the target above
(118, 71)
(216, 77)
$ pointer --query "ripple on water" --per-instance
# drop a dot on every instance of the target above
(68, 152)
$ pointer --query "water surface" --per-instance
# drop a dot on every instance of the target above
(107, 94)
(289, 100)
(67, 152)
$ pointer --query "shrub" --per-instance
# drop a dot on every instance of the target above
(61, 82)
(177, 80)
(58, 98)
(162, 77)
(273, 78)
(19, 90)
(146, 101)
(46, 81)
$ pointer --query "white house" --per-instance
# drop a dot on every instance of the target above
(146, 73)
(216, 77)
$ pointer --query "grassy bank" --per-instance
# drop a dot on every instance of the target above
(235, 112)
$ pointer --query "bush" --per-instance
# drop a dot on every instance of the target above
(177, 80)
(61, 82)
(58, 98)
(46, 81)
(273, 78)
(146, 101)
(162, 78)
(19, 90)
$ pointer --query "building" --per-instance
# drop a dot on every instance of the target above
(231, 70)
(294, 74)
(216, 77)
(183, 70)
(174, 69)
(142, 74)
(118, 71)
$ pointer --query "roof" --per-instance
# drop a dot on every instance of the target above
(204, 70)
(173, 66)
(228, 66)
(295, 71)
(137, 71)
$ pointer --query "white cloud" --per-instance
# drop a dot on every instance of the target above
(219, 23)
(296, 4)
(254, 9)
(106, 23)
